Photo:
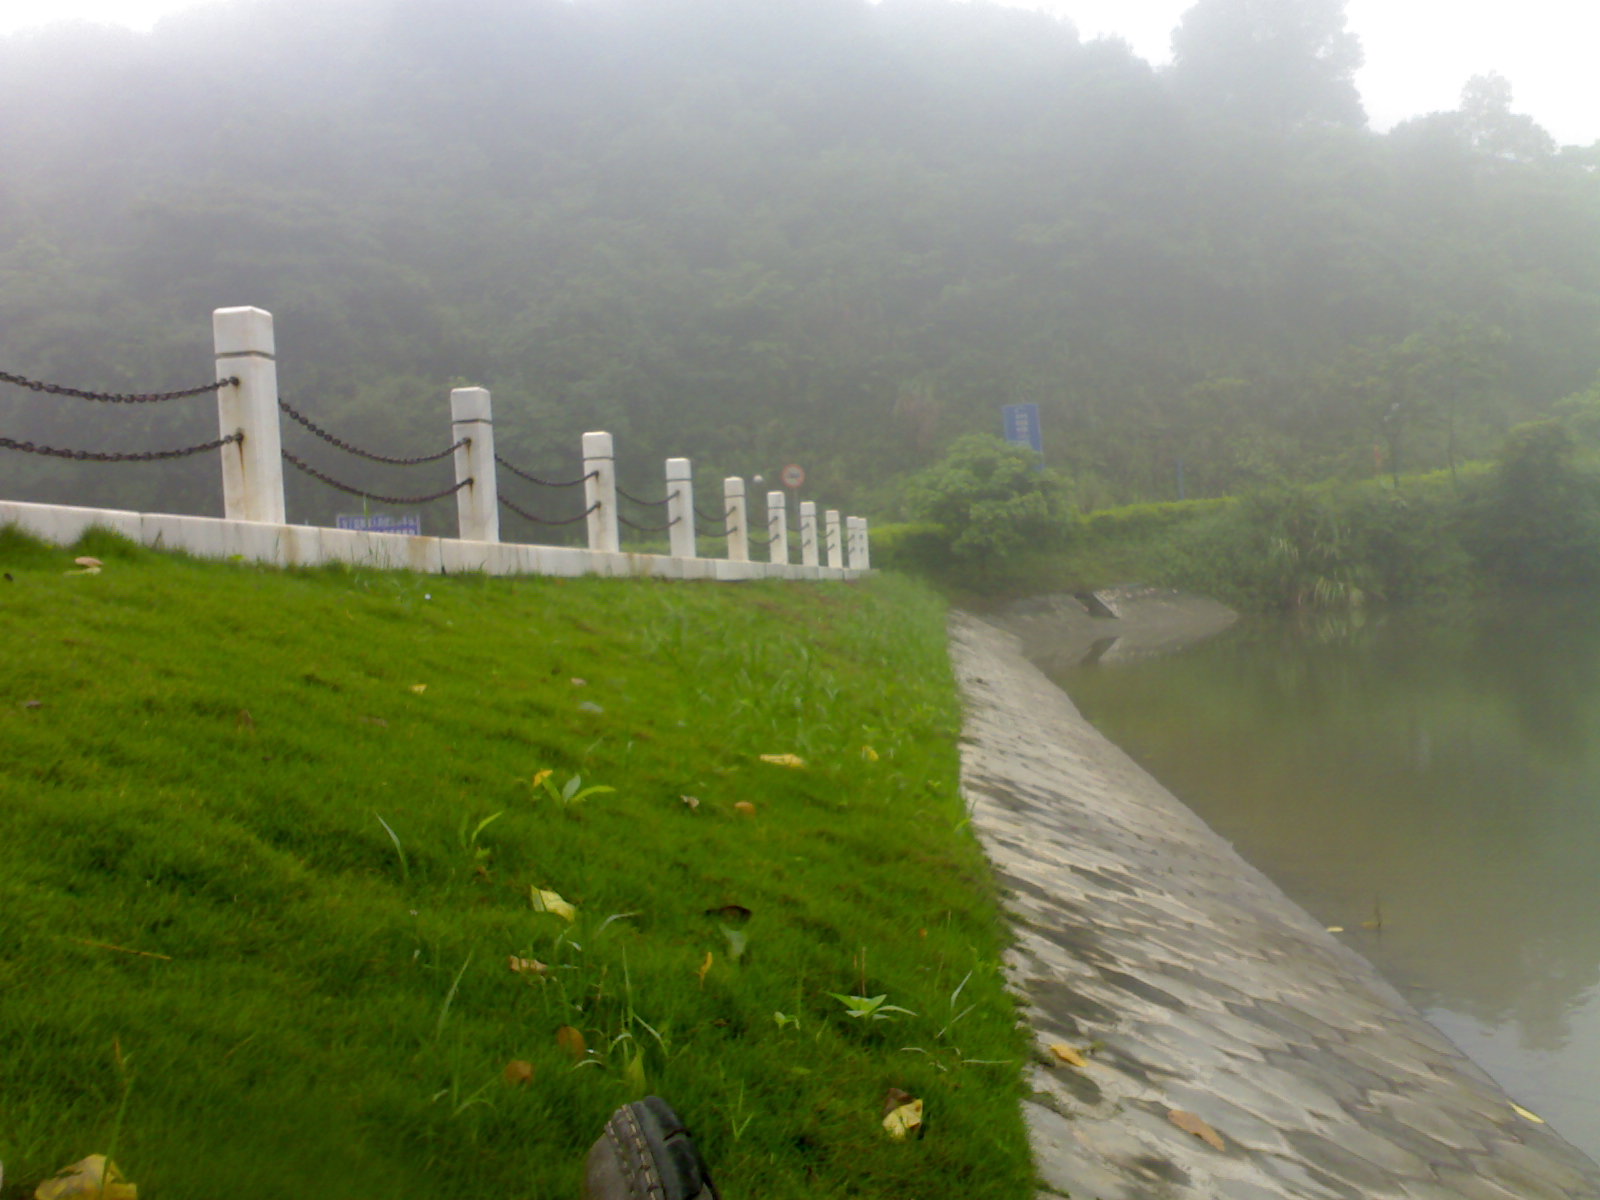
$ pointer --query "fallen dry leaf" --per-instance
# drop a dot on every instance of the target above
(904, 1121)
(92, 1178)
(784, 760)
(868, 753)
(551, 902)
(518, 1072)
(745, 807)
(692, 801)
(1335, 928)
(419, 688)
(1524, 1113)
(580, 682)
(1190, 1123)
(705, 969)
(86, 561)
(527, 966)
(1069, 1055)
(571, 1040)
(894, 1098)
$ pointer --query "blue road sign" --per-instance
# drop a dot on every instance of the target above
(1022, 426)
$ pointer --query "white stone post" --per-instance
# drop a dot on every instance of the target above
(600, 491)
(808, 532)
(680, 508)
(478, 503)
(835, 538)
(778, 527)
(738, 530)
(252, 471)
(861, 556)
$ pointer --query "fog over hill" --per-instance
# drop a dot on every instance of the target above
(822, 231)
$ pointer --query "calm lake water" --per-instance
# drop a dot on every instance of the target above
(1437, 775)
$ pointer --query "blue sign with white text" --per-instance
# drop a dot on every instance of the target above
(381, 522)
(1022, 426)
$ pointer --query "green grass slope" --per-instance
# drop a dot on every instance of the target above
(269, 843)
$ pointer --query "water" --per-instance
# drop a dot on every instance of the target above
(1436, 778)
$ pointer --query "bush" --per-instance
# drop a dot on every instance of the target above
(992, 499)
(1536, 520)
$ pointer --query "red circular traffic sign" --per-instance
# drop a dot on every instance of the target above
(793, 476)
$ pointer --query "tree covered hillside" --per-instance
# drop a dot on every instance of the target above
(823, 231)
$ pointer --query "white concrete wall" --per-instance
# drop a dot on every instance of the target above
(306, 545)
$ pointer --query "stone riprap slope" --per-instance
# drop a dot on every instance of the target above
(1197, 985)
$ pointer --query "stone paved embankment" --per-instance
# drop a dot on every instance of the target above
(1201, 987)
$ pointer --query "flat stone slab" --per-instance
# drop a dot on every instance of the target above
(1192, 983)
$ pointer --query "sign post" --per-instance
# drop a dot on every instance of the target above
(1022, 426)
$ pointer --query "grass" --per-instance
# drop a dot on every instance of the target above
(269, 843)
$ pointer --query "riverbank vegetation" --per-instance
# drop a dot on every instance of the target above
(344, 883)
(995, 524)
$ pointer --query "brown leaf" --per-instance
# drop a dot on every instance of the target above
(518, 1072)
(1069, 1055)
(894, 1098)
(692, 801)
(1190, 1123)
(745, 807)
(733, 914)
(571, 1040)
(527, 966)
(793, 761)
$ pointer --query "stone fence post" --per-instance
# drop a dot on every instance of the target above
(778, 527)
(808, 532)
(478, 503)
(738, 530)
(680, 508)
(252, 470)
(600, 491)
(835, 539)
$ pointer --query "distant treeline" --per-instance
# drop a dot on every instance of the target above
(819, 231)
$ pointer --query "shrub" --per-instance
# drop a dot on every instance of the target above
(992, 498)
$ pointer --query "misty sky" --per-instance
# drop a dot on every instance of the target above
(1419, 52)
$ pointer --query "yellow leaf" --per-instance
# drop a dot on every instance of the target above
(551, 902)
(1190, 1123)
(571, 1040)
(1524, 1113)
(92, 1178)
(1068, 1055)
(904, 1120)
(1335, 928)
(540, 776)
(705, 969)
(868, 753)
(518, 1072)
(745, 807)
(527, 966)
(784, 760)
(419, 688)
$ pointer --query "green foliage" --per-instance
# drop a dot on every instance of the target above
(1536, 519)
(992, 499)
(244, 857)
(1142, 520)
(915, 546)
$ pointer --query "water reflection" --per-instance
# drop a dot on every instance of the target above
(1434, 776)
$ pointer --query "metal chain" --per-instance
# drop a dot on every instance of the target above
(294, 415)
(515, 470)
(528, 516)
(644, 503)
(355, 491)
(622, 520)
(722, 520)
(760, 541)
(56, 389)
(134, 456)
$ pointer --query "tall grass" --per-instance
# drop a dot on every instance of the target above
(269, 843)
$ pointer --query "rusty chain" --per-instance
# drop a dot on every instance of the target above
(129, 456)
(289, 410)
(622, 520)
(528, 516)
(355, 491)
(518, 471)
(56, 389)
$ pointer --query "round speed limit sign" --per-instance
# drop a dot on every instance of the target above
(793, 476)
